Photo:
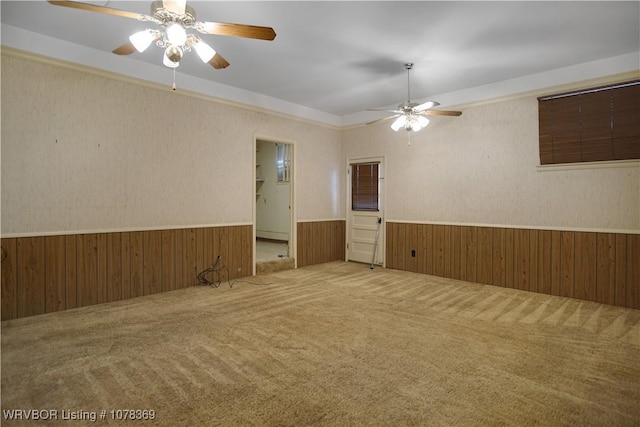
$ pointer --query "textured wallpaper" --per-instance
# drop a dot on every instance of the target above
(482, 168)
(85, 152)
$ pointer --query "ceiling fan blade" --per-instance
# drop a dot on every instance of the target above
(426, 105)
(384, 119)
(239, 30)
(175, 6)
(125, 49)
(100, 9)
(218, 62)
(441, 113)
(383, 109)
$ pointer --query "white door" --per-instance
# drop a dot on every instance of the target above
(365, 230)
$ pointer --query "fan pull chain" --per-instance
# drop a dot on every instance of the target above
(409, 138)
(174, 80)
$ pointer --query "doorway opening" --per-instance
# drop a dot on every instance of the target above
(273, 221)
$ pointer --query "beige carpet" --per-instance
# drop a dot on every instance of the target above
(334, 344)
(274, 265)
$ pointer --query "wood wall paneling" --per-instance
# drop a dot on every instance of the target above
(439, 248)
(544, 261)
(457, 265)
(601, 267)
(189, 265)
(503, 257)
(179, 255)
(556, 270)
(52, 273)
(304, 235)
(499, 261)
(236, 236)
(509, 255)
(470, 246)
(55, 263)
(605, 267)
(247, 251)
(125, 247)
(168, 255)
(102, 268)
(421, 249)
(484, 256)
(401, 255)
(208, 253)
(45, 274)
(585, 266)
(534, 262)
(320, 242)
(391, 244)
(71, 271)
(9, 279)
(633, 271)
(567, 263)
(114, 266)
(31, 276)
(152, 262)
(224, 246)
(338, 234)
(137, 264)
(411, 236)
(200, 245)
(521, 258)
(429, 251)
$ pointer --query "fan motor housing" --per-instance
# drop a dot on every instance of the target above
(165, 16)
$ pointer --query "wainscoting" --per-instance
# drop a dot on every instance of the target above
(601, 267)
(53, 273)
(320, 242)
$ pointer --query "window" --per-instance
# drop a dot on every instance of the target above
(365, 186)
(591, 125)
(283, 162)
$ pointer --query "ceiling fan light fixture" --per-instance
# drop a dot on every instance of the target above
(142, 39)
(176, 34)
(173, 54)
(398, 123)
(204, 51)
(168, 62)
(423, 121)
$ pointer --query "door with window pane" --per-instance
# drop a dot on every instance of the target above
(365, 212)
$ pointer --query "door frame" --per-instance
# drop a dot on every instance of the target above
(293, 236)
(382, 237)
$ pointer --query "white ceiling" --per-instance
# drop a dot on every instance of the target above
(332, 60)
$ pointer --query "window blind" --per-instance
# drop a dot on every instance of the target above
(364, 186)
(596, 124)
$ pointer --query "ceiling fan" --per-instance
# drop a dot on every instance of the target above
(411, 115)
(175, 17)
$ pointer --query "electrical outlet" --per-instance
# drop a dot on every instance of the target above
(413, 253)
